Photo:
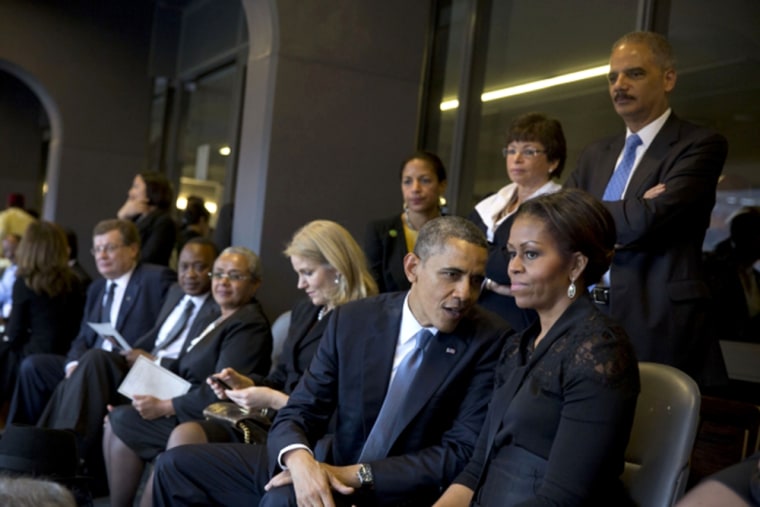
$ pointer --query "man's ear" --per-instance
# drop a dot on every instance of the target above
(411, 264)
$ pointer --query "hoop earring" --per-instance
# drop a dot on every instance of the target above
(571, 290)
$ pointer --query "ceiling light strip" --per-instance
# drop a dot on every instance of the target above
(534, 86)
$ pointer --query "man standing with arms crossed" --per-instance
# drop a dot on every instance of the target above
(658, 181)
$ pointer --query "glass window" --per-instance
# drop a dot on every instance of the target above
(206, 138)
(528, 41)
(718, 84)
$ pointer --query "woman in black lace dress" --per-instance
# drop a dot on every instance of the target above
(560, 418)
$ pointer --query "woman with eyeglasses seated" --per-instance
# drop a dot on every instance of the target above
(563, 405)
(240, 338)
(535, 155)
(735, 486)
(423, 183)
(149, 203)
(331, 270)
(48, 301)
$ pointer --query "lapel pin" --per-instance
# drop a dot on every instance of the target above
(450, 350)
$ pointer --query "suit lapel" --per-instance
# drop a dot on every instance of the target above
(379, 349)
(607, 163)
(174, 297)
(442, 354)
(653, 158)
(314, 334)
(397, 254)
(208, 313)
(130, 297)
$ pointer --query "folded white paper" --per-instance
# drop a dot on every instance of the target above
(146, 377)
(107, 331)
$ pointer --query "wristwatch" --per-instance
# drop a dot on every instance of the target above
(366, 479)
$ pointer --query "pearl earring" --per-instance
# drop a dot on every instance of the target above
(571, 290)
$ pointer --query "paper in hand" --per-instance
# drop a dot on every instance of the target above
(108, 332)
(146, 377)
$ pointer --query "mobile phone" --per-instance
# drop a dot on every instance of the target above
(220, 382)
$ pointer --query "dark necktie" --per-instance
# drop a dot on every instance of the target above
(105, 315)
(178, 327)
(378, 441)
(616, 185)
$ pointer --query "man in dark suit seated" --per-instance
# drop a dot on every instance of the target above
(658, 180)
(128, 296)
(408, 376)
(80, 401)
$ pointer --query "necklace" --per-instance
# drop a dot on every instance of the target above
(322, 312)
(408, 221)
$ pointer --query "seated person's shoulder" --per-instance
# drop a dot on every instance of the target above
(156, 271)
(489, 322)
(602, 351)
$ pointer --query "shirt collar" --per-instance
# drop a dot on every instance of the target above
(649, 132)
(410, 326)
(123, 280)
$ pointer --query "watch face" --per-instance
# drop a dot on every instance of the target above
(365, 475)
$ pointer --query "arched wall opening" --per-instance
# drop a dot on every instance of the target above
(53, 156)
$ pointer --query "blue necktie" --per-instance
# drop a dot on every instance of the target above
(616, 185)
(378, 441)
(105, 311)
(105, 315)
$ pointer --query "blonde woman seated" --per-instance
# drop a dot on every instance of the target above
(331, 270)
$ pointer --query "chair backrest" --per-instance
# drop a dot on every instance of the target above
(664, 427)
(728, 432)
(279, 334)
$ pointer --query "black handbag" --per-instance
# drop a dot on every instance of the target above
(254, 424)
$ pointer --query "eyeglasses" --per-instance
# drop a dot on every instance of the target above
(233, 277)
(526, 152)
(109, 249)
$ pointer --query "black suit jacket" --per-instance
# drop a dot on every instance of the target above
(657, 292)
(304, 334)
(158, 236)
(385, 247)
(242, 341)
(206, 314)
(139, 309)
(440, 422)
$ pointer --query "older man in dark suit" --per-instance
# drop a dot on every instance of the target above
(128, 296)
(79, 402)
(408, 376)
(658, 181)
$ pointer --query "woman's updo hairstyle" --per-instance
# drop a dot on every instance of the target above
(578, 222)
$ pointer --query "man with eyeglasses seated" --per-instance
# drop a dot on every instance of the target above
(129, 297)
(79, 402)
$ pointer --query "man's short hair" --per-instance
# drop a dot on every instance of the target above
(436, 232)
(127, 230)
(657, 43)
(254, 265)
(199, 240)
